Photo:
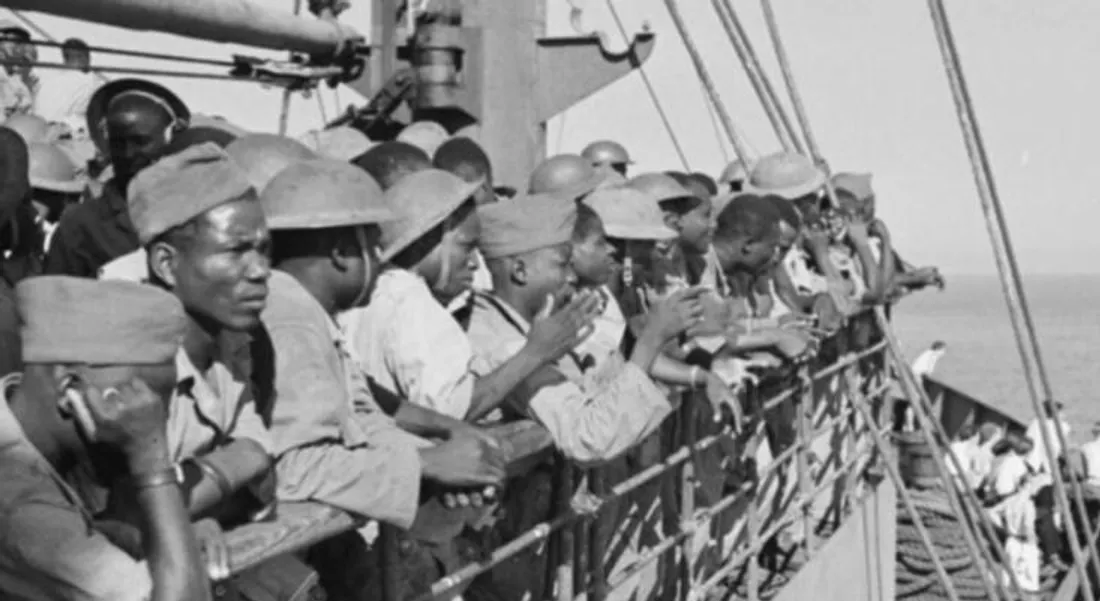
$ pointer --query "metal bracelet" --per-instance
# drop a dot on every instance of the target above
(156, 479)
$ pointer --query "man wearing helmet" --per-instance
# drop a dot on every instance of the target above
(132, 121)
(608, 154)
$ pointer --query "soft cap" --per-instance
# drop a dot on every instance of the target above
(323, 194)
(857, 184)
(422, 201)
(525, 224)
(183, 186)
(628, 214)
(77, 320)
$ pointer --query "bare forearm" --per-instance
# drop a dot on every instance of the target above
(168, 542)
(425, 422)
(491, 390)
(671, 371)
(647, 348)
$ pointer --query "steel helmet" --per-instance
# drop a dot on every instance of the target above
(734, 172)
(52, 170)
(323, 194)
(422, 201)
(425, 135)
(569, 175)
(341, 143)
(31, 128)
(785, 174)
(263, 156)
(606, 152)
(659, 186)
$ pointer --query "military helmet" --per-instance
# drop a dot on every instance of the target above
(606, 152)
(52, 170)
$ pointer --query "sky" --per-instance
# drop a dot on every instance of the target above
(873, 84)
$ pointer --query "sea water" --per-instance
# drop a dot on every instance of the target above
(982, 357)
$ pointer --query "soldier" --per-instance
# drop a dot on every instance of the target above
(18, 84)
(56, 184)
(99, 372)
(199, 220)
(133, 121)
(608, 154)
(333, 440)
(388, 162)
(429, 247)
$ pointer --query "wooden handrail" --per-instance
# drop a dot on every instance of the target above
(301, 525)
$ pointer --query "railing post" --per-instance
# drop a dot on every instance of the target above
(753, 525)
(597, 577)
(564, 560)
(805, 480)
(687, 493)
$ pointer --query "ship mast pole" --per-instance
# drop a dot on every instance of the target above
(1012, 284)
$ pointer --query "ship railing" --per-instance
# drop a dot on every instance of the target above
(718, 499)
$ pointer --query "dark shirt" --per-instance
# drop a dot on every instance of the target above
(10, 344)
(92, 234)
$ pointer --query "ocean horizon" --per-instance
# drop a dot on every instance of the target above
(982, 358)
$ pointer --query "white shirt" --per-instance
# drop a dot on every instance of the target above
(63, 97)
(411, 345)
(926, 362)
(1091, 452)
(1037, 459)
(1008, 473)
(965, 451)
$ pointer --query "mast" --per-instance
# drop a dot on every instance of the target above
(227, 21)
(487, 62)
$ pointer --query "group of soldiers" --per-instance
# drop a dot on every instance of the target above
(208, 322)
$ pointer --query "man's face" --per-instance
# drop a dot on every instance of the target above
(456, 251)
(549, 271)
(696, 229)
(594, 258)
(787, 238)
(750, 255)
(14, 47)
(221, 275)
(138, 132)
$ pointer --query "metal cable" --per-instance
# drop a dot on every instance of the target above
(781, 123)
(701, 70)
(652, 92)
(1011, 282)
(133, 71)
(715, 125)
(284, 112)
(139, 54)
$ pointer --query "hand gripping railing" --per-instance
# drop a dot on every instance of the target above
(834, 404)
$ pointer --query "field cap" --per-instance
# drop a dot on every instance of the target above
(183, 186)
(263, 156)
(735, 171)
(78, 320)
(629, 214)
(425, 135)
(525, 224)
(568, 175)
(856, 184)
(323, 194)
(341, 143)
(660, 187)
(785, 174)
(51, 169)
(101, 100)
(421, 201)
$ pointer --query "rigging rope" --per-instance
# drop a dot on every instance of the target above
(51, 43)
(916, 575)
(715, 125)
(652, 92)
(701, 70)
(134, 71)
(773, 108)
(1011, 283)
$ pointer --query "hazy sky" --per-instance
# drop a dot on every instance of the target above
(871, 78)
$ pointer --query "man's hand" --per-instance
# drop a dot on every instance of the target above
(720, 396)
(214, 549)
(464, 460)
(134, 419)
(793, 344)
(857, 232)
(555, 333)
(675, 314)
(829, 317)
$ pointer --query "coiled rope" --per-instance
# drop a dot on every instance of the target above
(916, 575)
